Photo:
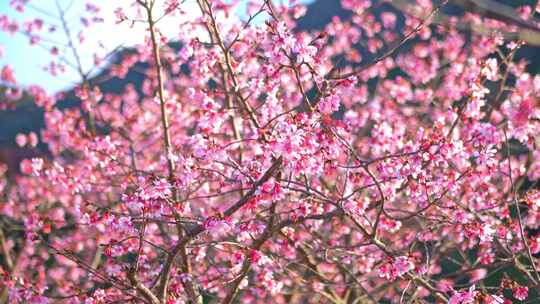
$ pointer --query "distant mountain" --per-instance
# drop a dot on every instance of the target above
(27, 117)
(23, 118)
(320, 13)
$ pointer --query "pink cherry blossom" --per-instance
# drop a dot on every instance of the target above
(390, 155)
(21, 140)
(521, 293)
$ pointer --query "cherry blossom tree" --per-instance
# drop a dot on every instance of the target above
(391, 157)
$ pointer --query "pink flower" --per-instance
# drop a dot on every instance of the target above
(388, 19)
(490, 69)
(217, 227)
(7, 75)
(521, 292)
(33, 166)
(32, 139)
(396, 267)
(464, 297)
(329, 104)
(161, 189)
(495, 299)
(298, 11)
(355, 208)
(520, 115)
(21, 140)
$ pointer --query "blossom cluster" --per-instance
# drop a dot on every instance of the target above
(259, 162)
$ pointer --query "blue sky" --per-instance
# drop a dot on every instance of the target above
(29, 61)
